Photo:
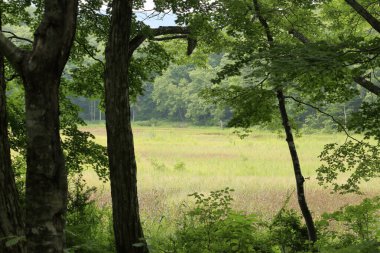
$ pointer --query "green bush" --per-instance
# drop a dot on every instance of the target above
(89, 227)
(354, 228)
(211, 226)
(288, 232)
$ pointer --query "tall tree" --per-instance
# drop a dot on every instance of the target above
(127, 225)
(11, 226)
(40, 69)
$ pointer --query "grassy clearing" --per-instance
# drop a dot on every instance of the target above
(173, 162)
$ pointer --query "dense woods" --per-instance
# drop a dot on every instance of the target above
(294, 67)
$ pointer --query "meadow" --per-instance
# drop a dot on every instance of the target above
(176, 161)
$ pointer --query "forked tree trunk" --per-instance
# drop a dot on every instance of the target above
(41, 70)
(297, 169)
(123, 169)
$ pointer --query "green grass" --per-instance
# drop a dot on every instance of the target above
(174, 162)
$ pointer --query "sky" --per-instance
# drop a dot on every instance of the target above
(167, 20)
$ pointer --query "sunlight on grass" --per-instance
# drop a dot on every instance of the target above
(173, 162)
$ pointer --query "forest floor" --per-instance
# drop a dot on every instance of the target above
(175, 162)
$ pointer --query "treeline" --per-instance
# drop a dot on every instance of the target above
(178, 96)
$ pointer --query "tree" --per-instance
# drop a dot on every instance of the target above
(11, 226)
(127, 226)
(40, 69)
(253, 37)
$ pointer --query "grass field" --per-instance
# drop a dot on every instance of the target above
(174, 162)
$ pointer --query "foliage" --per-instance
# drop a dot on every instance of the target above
(353, 227)
(357, 159)
(212, 226)
(79, 147)
(287, 231)
(89, 227)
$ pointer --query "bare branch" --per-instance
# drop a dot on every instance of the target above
(327, 114)
(14, 36)
(155, 32)
(89, 53)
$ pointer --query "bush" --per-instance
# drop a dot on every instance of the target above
(354, 228)
(89, 227)
(287, 231)
(212, 226)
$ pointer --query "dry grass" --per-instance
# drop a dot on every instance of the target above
(174, 162)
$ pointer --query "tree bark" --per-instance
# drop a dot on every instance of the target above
(297, 169)
(122, 162)
(368, 85)
(375, 23)
(289, 138)
(10, 212)
(41, 70)
(46, 178)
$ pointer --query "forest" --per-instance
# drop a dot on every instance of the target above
(199, 126)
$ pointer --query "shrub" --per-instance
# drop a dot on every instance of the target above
(89, 227)
(354, 228)
(287, 231)
(211, 226)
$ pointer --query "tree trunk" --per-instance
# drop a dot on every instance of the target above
(123, 169)
(297, 169)
(374, 22)
(46, 178)
(10, 212)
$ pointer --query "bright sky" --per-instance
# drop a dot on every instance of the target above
(149, 4)
(156, 21)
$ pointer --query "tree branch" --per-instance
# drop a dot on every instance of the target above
(362, 81)
(263, 22)
(367, 85)
(155, 32)
(171, 38)
(14, 54)
(365, 14)
(14, 36)
(89, 53)
(327, 114)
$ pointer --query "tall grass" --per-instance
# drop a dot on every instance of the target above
(173, 162)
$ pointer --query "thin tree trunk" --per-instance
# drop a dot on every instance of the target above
(10, 212)
(123, 169)
(297, 169)
(290, 140)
